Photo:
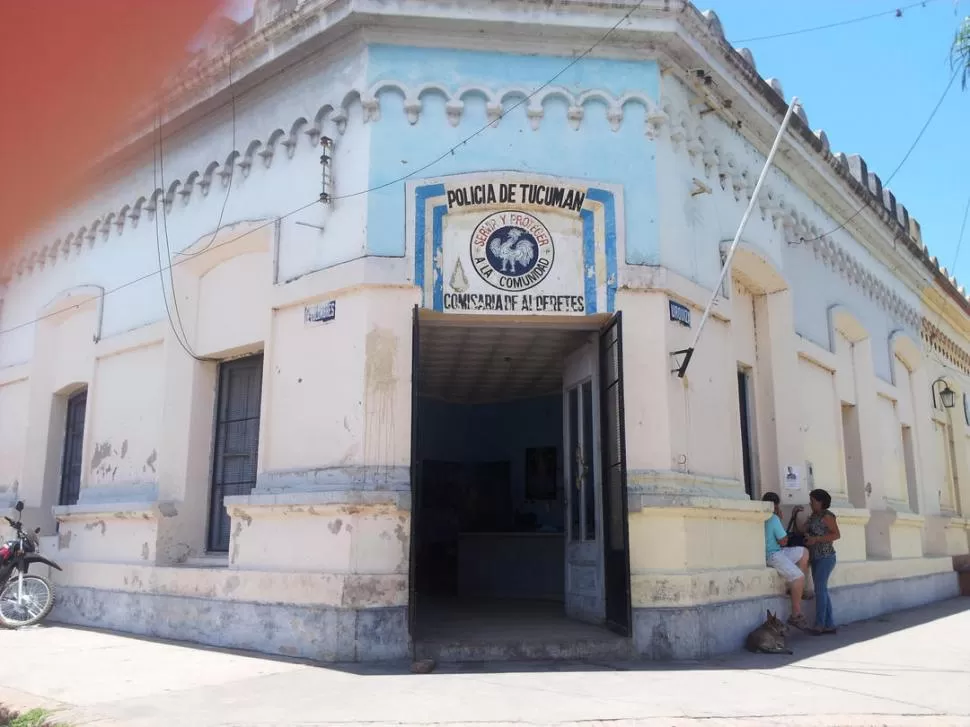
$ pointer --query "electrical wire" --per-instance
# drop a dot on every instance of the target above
(102, 170)
(956, 256)
(504, 113)
(232, 172)
(162, 268)
(897, 11)
(450, 152)
(895, 171)
(179, 331)
(963, 229)
(312, 54)
(477, 133)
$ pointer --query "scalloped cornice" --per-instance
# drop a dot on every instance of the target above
(293, 23)
(852, 169)
(684, 129)
(688, 135)
(936, 340)
(260, 153)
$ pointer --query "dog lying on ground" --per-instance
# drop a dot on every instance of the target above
(769, 637)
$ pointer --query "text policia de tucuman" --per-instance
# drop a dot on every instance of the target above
(540, 195)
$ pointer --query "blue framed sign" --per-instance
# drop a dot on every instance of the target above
(513, 243)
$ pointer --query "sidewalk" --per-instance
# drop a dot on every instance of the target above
(911, 668)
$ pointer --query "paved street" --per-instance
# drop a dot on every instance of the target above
(911, 668)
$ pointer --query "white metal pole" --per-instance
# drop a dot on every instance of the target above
(689, 352)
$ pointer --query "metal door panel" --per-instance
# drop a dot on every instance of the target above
(415, 471)
(616, 540)
(584, 563)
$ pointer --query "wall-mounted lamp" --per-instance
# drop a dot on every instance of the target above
(947, 395)
(326, 163)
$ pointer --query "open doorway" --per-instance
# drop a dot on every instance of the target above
(519, 495)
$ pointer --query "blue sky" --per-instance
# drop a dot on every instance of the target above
(871, 86)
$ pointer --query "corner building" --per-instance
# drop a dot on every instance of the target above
(434, 413)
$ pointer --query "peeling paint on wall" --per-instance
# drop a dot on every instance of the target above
(379, 388)
(102, 451)
(97, 524)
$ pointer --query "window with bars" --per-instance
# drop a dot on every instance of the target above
(71, 463)
(236, 441)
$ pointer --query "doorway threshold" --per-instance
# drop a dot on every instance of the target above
(512, 630)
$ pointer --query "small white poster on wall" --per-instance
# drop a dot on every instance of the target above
(792, 477)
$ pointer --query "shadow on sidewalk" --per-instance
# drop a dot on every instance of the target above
(804, 645)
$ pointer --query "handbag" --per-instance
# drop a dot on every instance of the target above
(795, 538)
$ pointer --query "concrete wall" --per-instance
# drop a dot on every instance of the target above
(119, 234)
(822, 321)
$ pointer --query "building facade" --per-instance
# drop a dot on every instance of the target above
(375, 325)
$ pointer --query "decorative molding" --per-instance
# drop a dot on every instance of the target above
(851, 169)
(686, 127)
(688, 134)
(246, 47)
(936, 340)
(836, 259)
(498, 103)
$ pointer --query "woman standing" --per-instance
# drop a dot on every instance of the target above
(821, 530)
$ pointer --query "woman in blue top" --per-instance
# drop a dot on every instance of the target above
(821, 530)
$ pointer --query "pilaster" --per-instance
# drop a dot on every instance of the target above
(185, 465)
(782, 405)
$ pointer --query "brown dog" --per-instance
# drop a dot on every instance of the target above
(769, 637)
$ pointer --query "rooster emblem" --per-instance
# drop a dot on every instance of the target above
(513, 251)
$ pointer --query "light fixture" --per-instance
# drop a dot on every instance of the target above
(947, 395)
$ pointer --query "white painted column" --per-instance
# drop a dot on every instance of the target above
(778, 361)
(38, 484)
(646, 363)
(184, 464)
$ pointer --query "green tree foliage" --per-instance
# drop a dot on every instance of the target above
(960, 51)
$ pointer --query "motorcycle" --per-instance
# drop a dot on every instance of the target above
(25, 598)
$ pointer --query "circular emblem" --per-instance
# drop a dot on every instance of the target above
(512, 251)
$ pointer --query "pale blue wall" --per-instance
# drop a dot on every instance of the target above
(594, 152)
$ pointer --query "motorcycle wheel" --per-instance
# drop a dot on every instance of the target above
(37, 602)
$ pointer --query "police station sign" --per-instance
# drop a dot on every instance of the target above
(508, 243)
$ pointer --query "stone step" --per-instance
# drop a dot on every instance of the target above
(607, 648)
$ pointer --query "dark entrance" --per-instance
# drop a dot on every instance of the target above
(744, 407)
(236, 441)
(73, 443)
(493, 562)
